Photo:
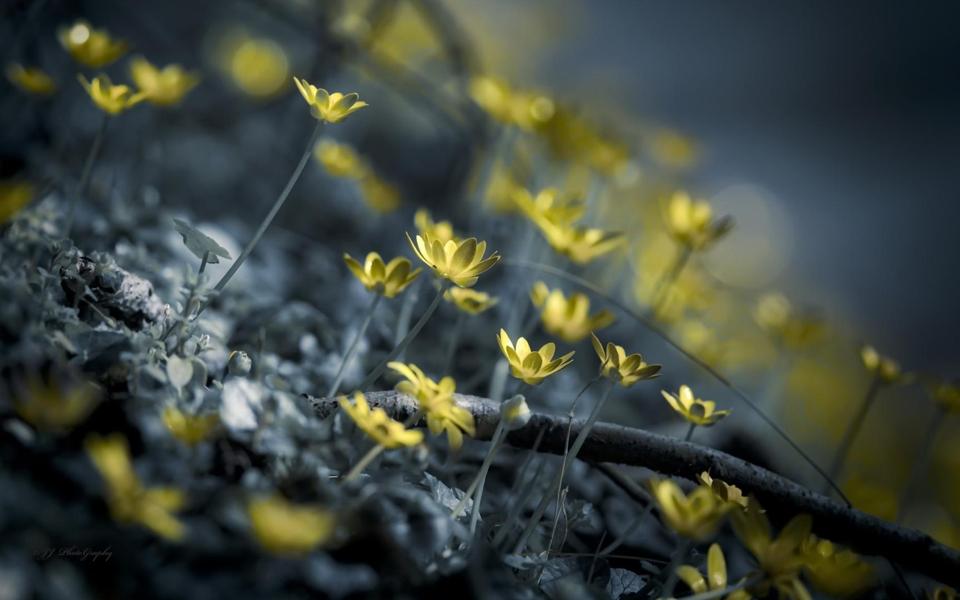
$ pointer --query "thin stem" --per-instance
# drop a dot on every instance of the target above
(494, 444)
(620, 539)
(85, 175)
(406, 313)
(366, 460)
(448, 362)
(203, 262)
(335, 387)
(524, 492)
(370, 379)
(836, 467)
(675, 561)
(668, 279)
(690, 431)
(920, 464)
(484, 469)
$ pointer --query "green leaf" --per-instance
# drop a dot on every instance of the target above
(200, 243)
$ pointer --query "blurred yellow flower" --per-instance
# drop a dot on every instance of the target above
(50, 406)
(379, 195)
(162, 87)
(580, 244)
(470, 301)
(90, 47)
(571, 137)
(14, 196)
(257, 66)
(883, 368)
(779, 558)
(190, 429)
(129, 501)
(378, 425)
(775, 314)
(702, 413)
(436, 401)
(943, 592)
(112, 99)
(328, 107)
(947, 395)
(527, 110)
(716, 579)
(340, 160)
(724, 491)
(835, 571)
(673, 150)
(550, 206)
(430, 229)
(31, 79)
(460, 262)
(388, 279)
(696, 516)
(618, 366)
(692, 224)
(286, 528)
(528, 365)
(567, 318)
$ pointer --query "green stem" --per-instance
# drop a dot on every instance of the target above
(690, 431)
(366, 460)
(850, 435)
(523, 491)
(85, 175)
(668, 279)
(448, 362)
(370, 379)
(920, 464)
(498, 438)
(335, 387)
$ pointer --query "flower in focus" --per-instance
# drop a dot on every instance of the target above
(716, 579)
(470, 301)
(51, 406)
(378, 425)
(340, 160)
(460, 262)
(328, 107)
(779, 558)
(702, 413)
(835, 571)
(692, 224)
(90, 47)
(286, 528)
(617, 365)
(580, 244)
(549, 206)
(436, 401)
(696, 516)
(257, 66)
(388, 279)
(724, 491)
(129, 501)
(112, 99)
(567, 318)
(379, 195)
(437, 230)
(31, 79)
(947, 395)
(529, 366)
(883, 368)
(775, 314)
(162, 87)
(14, 195)
(190, 429)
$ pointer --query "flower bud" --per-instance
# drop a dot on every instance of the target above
(515, 413)
(239, 363)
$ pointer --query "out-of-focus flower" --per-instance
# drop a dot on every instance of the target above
(460, 262)
(129, 500)
(571, 137)
(379, 195)
(31, 79)
(780, 558)
(388, 279)
(716, 579)
(328, 107)
(470, 301)
(378, 425)
(14, 195)
(724, 491)
(190, 429)
(515, 413)
(91, 47)
(883, 368)
(696, 516)
(436, 401)
(580, 244)
(110, 98)
(286, 528)
(618, 366)
(340, 160)
(550, 206)
(835, 571)
(528, 365)
(51, 406)
(430, 229)
(162, 87)
(942, 592)
(527, 110)
(567, 318)
(692, 224)
(673, 150)
(702, 413)
(776, 315)
(947, 395)
(259, 67)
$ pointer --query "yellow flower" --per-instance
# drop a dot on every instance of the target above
(52, 407)
(776, 315)
(580, 244)
(884, 368)
(112, 99)
(696, 516)
(437, 230)
(947, 396)
(460, 262)
(14, 195)
(286, 528)
(835, 571)
(436, 401)
(716, 578)
(692, 224)
(779, 558)
(339, 160)
(617, 365)
(328, 107)
(388, 279)
(724, 491)
(530, 366)
(379, 195)
(190, 429)
(90, 47)
(378, 425)
(567, 318)
(257, 66)
(470, 301)
(31, 79)
(549, 205)
(702, 413)
(526, 110)
(162, 87)
(129, 501)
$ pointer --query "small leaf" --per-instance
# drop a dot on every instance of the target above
(624, 582)
(200, 243)
(179, 371)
